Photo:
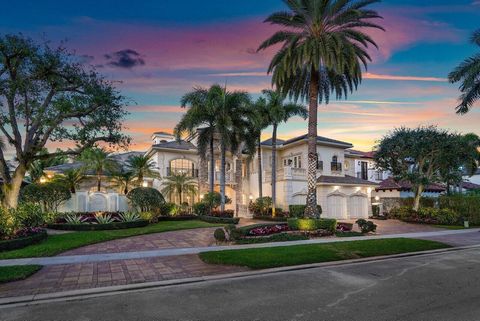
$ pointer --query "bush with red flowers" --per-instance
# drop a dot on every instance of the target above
(344, 227)
(268, 230)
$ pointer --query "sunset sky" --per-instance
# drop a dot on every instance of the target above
(158, 50)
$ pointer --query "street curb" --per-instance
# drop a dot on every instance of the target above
(83, 294)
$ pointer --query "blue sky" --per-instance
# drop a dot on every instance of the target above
(178, 45)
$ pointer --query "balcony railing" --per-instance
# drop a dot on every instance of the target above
(336, 167)
(192, 172)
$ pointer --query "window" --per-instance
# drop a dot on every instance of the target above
(335, 165)
(293, 161)
(319, 163)
(182, 166)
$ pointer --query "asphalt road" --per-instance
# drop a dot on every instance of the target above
(439, 287)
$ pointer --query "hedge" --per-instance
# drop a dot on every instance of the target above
(98, 227)
(269, 218)
(177, 218)
(466, 206)
(310, 224)
(19, 243)
(219, 220)
(298, 210)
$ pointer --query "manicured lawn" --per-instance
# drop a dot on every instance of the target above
(452, 227)
(263, 258)
(56, 244)
(14, 273)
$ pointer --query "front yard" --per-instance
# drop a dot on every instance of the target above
(59, 243)
(262, 258)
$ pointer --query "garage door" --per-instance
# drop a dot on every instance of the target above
(336, 207)
(358, 207)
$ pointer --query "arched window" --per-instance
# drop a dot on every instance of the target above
(336, 166)
(335, 159)
(182, 166)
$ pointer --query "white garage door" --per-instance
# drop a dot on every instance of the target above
(358, 207)
(336, 207)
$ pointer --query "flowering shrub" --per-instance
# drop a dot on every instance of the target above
(344, 227)
(28, 231)
(268, 230)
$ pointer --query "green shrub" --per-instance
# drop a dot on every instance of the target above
(261, 206)
(366, 226)
(348, 234)
(400, 212)
(219, 235)
(98, 227)
(299, 210)
(129, 217)
(467, 207)
(168, 209)
(29, 215)
(310, 224)
(146, 199)
(213, 200)
(49, 195)
(220, 220)
(281, 237)
(200, 208)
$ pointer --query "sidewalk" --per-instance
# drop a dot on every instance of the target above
(90, 258)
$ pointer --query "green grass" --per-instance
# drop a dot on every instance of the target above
(59, 243)
(263, 258)
(14, 273)
(450, 227)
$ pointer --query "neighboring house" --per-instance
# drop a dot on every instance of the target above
(389, 188)
(362, 165)
(475, 179)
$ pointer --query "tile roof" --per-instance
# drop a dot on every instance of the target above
(470, 185)
(181, 145)
(391, 184)
(350, 180)
(320, 139)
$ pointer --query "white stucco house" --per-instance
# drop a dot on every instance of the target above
(345, 177)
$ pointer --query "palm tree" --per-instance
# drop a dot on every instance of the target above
(278, 112)
(141, 166)
(200, 122)
(179, 184)
(100, 162)
(260, 121)
(322, 53)
(123, 179)
(71, 178)
(468, 73)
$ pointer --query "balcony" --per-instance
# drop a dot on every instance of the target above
(286, 173)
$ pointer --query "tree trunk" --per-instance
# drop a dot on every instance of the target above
(180, 196)
(260, 169)
(99, 183)
(212, 167)
(238, 182)
(222, 176)
(12, 189)
(311, 209)
(274, 170)
(418, 196)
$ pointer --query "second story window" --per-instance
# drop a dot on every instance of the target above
(335, 165)
(319, 163)
(182, 166)
(294, 161)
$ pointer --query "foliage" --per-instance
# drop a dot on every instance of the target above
(100, 162)
(327, 224)
(344, 227)
(220, 220)
(88, 226)
(268, 229)
(104, 219)
(466, 206)
(37, 167)
(49, 195)
(427, 215)
(270, 257)
(49, 96)
(123, 179)
(201, 208)
(8, 223)
(423, 155)
(366, 226)
(142, 166)
(219, 235)
(29, 215)
(70, 178)
(281, 237)
(348, 234)
(261, 206)
(226, 213)
(23, 238)
(146, 199)
(468, 74)
(299, 210)
(179, 184)
(213, 200)
(73, 219)
(169, 209)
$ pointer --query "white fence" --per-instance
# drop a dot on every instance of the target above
(95, 202)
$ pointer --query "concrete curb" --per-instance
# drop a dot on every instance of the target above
(82, 294)
(61, 260)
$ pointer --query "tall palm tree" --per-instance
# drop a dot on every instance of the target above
(100, 162)
(124, 179)
(71, 178)
(322, 53)
(279, 112)
(468, 73)
(260, 121)
(179, 184)
(200, 121)
(141, 166)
